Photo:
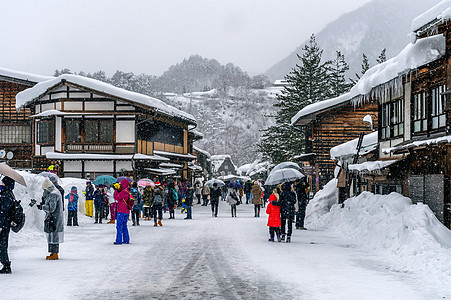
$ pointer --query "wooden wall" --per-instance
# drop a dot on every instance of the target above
(336, 127)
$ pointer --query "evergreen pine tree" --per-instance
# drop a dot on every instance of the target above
(365, 67)
(307, 84)
(382, 57)
(338, 68)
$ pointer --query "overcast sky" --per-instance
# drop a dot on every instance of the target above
(147, 36)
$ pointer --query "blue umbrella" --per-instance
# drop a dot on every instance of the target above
(119, 179)
(104, 180)
(234, 185)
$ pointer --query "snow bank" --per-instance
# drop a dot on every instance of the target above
(411, 57)
(441, 11)
(28, 95)
(410, 236)
(321, 204)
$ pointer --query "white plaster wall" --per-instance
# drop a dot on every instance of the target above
(58, 105)
(98, 166)
(47, 106)
(92, 105)
(125, 131)
(37, 150)
(58, 133)
(73, 105)
(127, 165)
(125, 107)
(72, 166)
(47, 149)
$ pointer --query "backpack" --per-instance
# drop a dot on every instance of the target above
(158, 199)
(175, 195)
(17, 216)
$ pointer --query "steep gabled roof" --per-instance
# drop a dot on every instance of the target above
(39, 90)
(22, 77)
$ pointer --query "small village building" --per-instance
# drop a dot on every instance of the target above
(15, 126)
(222, 165)
(90, 128)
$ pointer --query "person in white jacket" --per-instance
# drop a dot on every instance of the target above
(113, 204)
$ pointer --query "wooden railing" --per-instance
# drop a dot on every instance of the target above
(89, 148)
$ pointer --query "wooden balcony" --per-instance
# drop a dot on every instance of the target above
(91, 148)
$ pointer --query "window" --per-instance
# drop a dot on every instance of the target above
(15, 134)
(438, 103)
(99, 131)
(392, 119)
(385, 121)
(161, 132)
(420, 121)
(46, 132)
(73, 131)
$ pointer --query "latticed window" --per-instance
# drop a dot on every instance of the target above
(73, 131)
(420, 121)
(397, 121)
(99, 131)
(15, 134)
(438, 104)
(46, 132)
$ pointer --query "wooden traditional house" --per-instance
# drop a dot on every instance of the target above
(15, 126)
(330, 123)
(203, 159)
(92, 128)
(222, 165)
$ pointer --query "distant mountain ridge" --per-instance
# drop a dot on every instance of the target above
(369, 29)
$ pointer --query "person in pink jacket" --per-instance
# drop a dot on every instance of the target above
(123, 210)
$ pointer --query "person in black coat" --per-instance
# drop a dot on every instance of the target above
(215, 193)
(189, 195)
(287, 201)
(247, 190)
(6, 203)
(301, 189)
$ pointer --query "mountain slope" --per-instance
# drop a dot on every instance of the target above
(377, 25)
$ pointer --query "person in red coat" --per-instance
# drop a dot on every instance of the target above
(273, 210)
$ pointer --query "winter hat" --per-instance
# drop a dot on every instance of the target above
(117, 186)
(74, 188)
(157, 183)
(47, 184)
(188, 185)
(9, 183)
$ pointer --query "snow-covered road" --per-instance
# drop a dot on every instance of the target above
(203, 258)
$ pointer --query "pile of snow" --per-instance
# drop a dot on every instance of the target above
(371, 166)
(440, 140)
(23, 76)
(410, 236)
(321, 203)
(28, 95)
(369, 143)
(209, 94)
(440, 12)
(426, 50)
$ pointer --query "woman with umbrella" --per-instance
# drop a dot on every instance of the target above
(215, 193)
(232, 198)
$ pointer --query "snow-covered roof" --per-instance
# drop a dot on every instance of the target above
(88, 156)
(218, 160)
(40, 89)
(439, 13)
(440, 140)
(197, 133)
(55, 112)
(371, 166)
(197, 149)
(171, 165)
(369, 143)
(424, 51)
(23, 76)
(161, 171)
(189, 156)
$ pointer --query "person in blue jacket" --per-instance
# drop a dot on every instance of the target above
(137, 203)
(72, 207)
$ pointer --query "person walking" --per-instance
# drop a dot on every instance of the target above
(72, 207)
(302, 189)
(156, 203)
(172, 199)
(6, 204)
(99, 202)
(189, 195)
(273, 211)
(137, 198)
(215, 193)
(241, 193)
(287, 201)
(89, 199)
(256, 192)
(198, 191)
(124, 204)
(54, 218)
(232, 200)
(247, 190)
(147, 195)
(205, 195)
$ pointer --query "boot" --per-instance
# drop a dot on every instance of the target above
(271, 240)
(159, 223)
(52, 256)
(288, 239)
(279, 239)
(283, 237)
(155, 225)
(111, 222)
(6, 268)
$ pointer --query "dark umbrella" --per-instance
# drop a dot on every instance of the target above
(119, 179)
(235, 185)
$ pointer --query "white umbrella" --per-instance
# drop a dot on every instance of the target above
(283, 175)
(218, 182)
(286, 165)
(11, 173)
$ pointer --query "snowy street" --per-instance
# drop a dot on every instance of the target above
(203, 258)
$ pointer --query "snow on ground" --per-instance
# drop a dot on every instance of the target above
(230, 258)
